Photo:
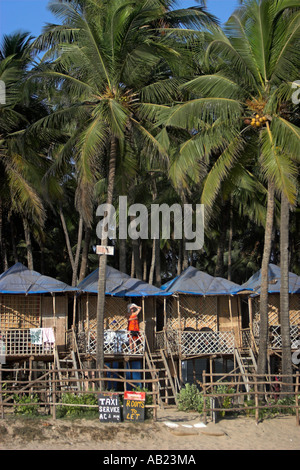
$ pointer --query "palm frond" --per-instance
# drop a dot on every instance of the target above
(277, 166)
(287, 137)
(220, 170)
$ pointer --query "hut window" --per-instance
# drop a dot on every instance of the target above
(20, 311)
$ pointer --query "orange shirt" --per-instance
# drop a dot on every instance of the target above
(133, 323)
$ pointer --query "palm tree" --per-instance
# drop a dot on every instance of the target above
(21, 165)
(240, 102)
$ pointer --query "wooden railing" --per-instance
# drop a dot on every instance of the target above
(118, 343)
(264, 396)
(251, 337)
(45, 394)
(195, 343)
(24, 342)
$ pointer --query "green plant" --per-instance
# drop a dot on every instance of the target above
(77, 411)
(190, 399)
(23, 407)
(224, 401)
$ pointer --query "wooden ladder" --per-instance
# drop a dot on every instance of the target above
(159, 368)
(247, 365)
(68, 366)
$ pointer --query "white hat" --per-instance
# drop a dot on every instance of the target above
(129, 306)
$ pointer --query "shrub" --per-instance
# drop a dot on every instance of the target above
(78, 411)
(190, 399)
(23, 408)
(225, 402)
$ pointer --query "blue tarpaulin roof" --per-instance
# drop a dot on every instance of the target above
(20, 280)
(274, 275)
(193, 281)
(119, 284)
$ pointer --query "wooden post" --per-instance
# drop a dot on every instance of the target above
(1, 398)
(211, 369)
(179, 324)
(53, 394)
(204, 397)
(250, 313)
(54, 311)
(87, 313)
(41, 312)
(74, 310)
(155, 401)
(240, 325)
(256, 400)
(143, 308)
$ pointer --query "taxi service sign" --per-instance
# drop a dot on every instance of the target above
(109, 408)
(134, 406)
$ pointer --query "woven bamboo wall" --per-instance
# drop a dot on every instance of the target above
(115, 312)
(20, 311)
(219, 313)
(274, 309)
(192, 311)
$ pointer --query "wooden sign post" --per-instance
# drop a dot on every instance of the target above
(134, 406)
(109, 408)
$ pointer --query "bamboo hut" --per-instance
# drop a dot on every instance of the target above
(33, 313)
(274, 277)
(202, 323)
(202, 307)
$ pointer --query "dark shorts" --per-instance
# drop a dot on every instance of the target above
(134, 333)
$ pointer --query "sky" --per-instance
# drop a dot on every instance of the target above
(32, 15)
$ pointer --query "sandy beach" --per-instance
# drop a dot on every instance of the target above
(173, 431)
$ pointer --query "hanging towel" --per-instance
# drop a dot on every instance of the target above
(48, 335)
(36, 335)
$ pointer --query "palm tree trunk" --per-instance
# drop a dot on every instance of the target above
(229, 269)
(122, 256)
(287, 368)
(179, 262)
(152, 266)
(219, 269)
(2, 241)
(67, 238)
(137, 257)
(28, 243)
(264, 323)
(13, 240)
(85, 253)
(77, 254)
(157, 264)
(103, 262)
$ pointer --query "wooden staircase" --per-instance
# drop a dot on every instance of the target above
(247, 365)
(168, 385)
(67, 367)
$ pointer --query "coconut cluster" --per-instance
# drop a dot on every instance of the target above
(256, 121)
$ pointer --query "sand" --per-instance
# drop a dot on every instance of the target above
(173, 431)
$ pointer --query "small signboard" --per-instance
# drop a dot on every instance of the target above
(134, 406)
(104, 250)
(109, 408)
